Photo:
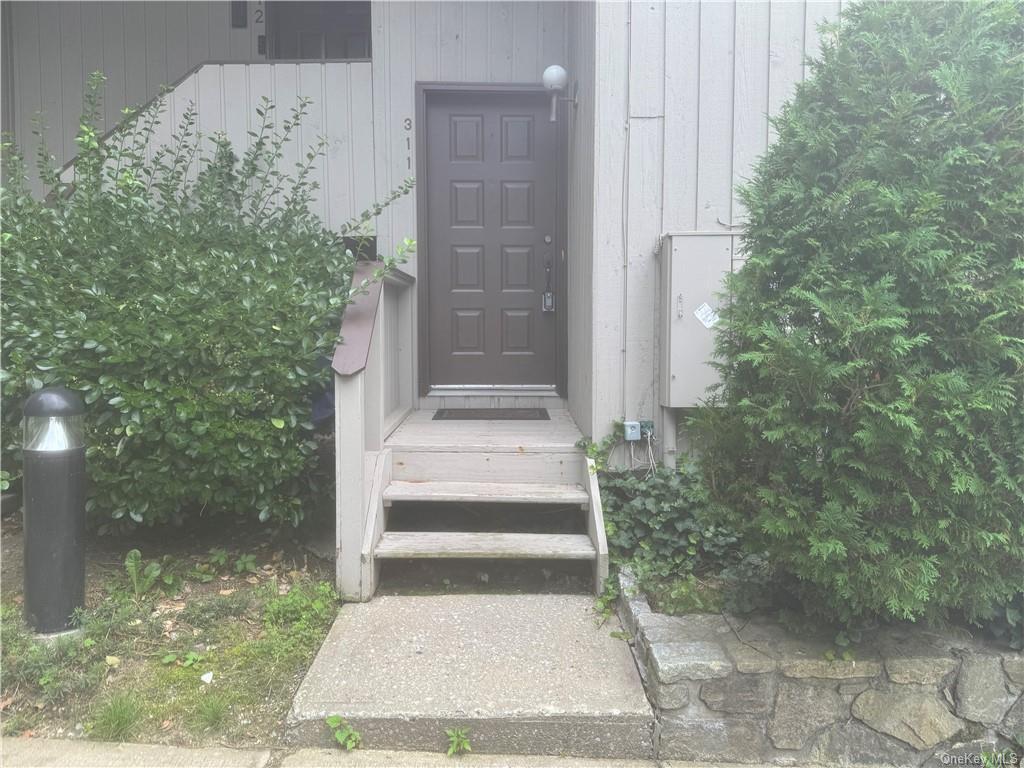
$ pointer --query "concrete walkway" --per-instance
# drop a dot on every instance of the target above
(52, 753)
(533, 674)
(60, 753)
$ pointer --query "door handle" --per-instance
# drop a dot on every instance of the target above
(548, 297)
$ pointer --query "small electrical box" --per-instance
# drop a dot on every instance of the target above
(631, 431)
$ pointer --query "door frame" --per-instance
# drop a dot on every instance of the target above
(423, 92)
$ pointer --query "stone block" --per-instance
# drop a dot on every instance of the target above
(669, 695)
(747, 658)
(1013, 665)
(738, 694)
(982, 692)
(726, 739)
(1012, 726)
(672, 662)
(918, 718)
(920, 670)
(854, 687)
(852, 743)
(838, 669)
(801, 710)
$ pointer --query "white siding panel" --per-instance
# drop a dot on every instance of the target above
(311, 85)
(750, 96)
(477, 42)
(209, 102)
(340, 171)
(361, 141)
(237, 105)
(27, 93)
(50, 80)
(177, 45)
(198, 33)
(818, 12)
(428, 45)
(115, 94)
(156, 48)
(72, 76)
(136, 87)
(502, 45)
(449, 37)
(714, 170)
(682, 100)
(526, 38)
(786, 55)
(92, 42)
(580, 255)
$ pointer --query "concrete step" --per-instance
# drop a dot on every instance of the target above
(457, 544)
(525, 674)
(505, 493)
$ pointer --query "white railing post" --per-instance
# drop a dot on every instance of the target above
(350, 460)
(364, 415)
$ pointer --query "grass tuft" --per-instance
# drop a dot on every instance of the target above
(118, 719)
(211, 712)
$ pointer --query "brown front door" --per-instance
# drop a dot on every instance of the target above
(492, 239)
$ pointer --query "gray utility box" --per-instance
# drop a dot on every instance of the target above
(693, 265)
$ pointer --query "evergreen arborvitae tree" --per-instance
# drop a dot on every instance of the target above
(869, 431)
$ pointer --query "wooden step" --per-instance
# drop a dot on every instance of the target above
(451, 544)
(506, 493)
(486, 467)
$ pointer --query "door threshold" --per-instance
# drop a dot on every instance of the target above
(492, 392)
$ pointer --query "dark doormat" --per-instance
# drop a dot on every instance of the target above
(491, 414)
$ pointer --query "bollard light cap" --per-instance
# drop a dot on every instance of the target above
(54, 401)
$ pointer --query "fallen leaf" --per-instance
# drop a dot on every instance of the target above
(166, 725)
(6, 702)
(206, 677)
(28, 734)
(277, 556)
(226, 592)
(253, 580)
(113, 661)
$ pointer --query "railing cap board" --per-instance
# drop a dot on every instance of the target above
(360, 317)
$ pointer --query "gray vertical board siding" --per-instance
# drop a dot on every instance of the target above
(610, 278)
(139, 46)
(454, 42)
(579, 249)
(225, 98)
(717, 70)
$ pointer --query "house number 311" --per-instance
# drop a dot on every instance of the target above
(407, 124)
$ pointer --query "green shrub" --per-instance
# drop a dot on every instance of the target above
(871, 430)
(191, 297)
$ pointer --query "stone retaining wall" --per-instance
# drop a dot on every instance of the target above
(728, 689)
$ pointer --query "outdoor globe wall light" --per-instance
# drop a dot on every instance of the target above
(54, 508)
(555, 80)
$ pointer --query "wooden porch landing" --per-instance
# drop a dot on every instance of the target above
(419, 432)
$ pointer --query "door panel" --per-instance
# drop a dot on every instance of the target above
(492, 238)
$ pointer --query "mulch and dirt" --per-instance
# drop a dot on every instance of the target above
(213, 656)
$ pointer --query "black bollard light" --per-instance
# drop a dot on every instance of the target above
(54, 507)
